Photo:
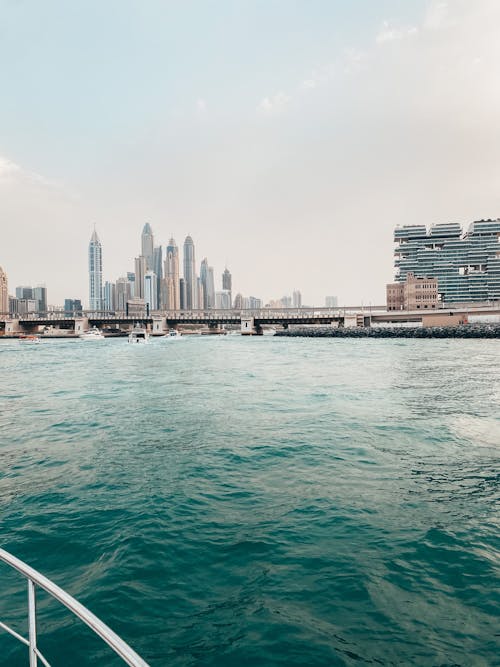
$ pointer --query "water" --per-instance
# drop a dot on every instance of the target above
(232, 501)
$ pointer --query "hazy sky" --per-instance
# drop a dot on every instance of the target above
(287, 137)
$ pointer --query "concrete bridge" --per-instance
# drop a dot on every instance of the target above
(249, 321)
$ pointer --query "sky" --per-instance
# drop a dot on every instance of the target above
(287, 137)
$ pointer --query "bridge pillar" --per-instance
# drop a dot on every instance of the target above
(12, 327)
(81, 324)
(248, 326)
(159, 326)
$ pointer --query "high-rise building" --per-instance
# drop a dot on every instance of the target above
(227, 281)
(171, 273)
(238, 302)
(4, 292)
(40, 295)
(24, 292)
(331, 302)
(182, 290)
(140, 272)
(123, 293)
(95, 273)
(466, 265)
(147, 246)
(131, 280)
(109, 295)
(252, 303)
(73, 306)
(297, 299)
(190, 275)
(150, 290)
(207, 279)
(158, 269)
(223, 300)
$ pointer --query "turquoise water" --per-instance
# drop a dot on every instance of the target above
(264, 501)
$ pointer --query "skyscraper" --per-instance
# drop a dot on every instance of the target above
(173, 297)
(147, 246)
(150, 290)
(207, 280)
(190, 275)
(227, 283)
(4, 292)
(297, 299)
(95, 273)
(140, 272)
(158, 269)
(109, 295)
(40, 295)
(123, 293)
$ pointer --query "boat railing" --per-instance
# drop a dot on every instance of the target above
(35, 578)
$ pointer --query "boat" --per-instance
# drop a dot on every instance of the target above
(92, 334)
(173, 334)
(139, 334)
(29, 339)
(271, 331)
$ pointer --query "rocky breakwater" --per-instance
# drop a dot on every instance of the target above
(460, 331)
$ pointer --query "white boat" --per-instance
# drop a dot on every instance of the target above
(139, 335)
(173, 334)
(28, 339)
(269, 332)
(92, 334)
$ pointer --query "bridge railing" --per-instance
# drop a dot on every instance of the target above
(34, 579)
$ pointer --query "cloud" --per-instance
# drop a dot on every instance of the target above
(390, 33)
(12, 174)
(274, 104)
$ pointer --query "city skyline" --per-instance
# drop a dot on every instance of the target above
(290, 152)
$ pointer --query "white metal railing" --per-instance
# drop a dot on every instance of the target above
(35, 579)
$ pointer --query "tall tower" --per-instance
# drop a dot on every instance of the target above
(190, 275)
(158, 269)
(140, 272)
(4, 292)
(227, 282)
(172, 276)
(95, 273)
(207, 280)
(147, 246)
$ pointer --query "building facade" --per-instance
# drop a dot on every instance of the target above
(147, 246)
(172, 295)
(95, 273)
(190, 283)
(4, 292)
(140, 272)
(465, 265)
(150, 290)
(416, 293)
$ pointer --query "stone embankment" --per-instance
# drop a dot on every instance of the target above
(461, 331)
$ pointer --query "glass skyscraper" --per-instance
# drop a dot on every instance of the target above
(190, 281)
(95, 273)
(466, 265)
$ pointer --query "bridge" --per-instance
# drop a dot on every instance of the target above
(249, 321)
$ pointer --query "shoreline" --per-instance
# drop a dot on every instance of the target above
(460, 331)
